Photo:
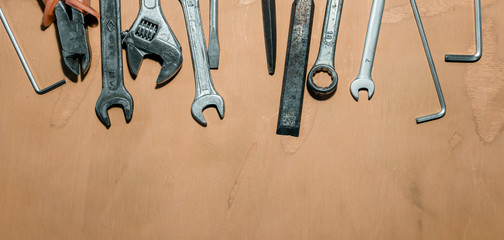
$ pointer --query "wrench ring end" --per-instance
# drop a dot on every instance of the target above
(322, 93)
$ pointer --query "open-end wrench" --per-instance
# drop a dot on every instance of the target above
(441, 113)
(206, 96)
(213, 41)
(113, 94)
(151, 35)
(23, 60)
(325, 60)
(479, 40)
(296, 64)
(364, 80)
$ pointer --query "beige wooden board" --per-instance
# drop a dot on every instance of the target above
(359, 170)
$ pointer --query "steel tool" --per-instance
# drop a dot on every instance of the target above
(364, 80)
(150, 35)
(296, 63)
(213, 42)
(479, 40)
(73, 38)
(206, 96)
(113, 94)
(23, 60)
(325, 60)
(432, 68)
(270, 38)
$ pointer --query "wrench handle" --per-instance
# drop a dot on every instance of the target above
(371, 38)
(204, 85)
(112, 66)
(330, 32)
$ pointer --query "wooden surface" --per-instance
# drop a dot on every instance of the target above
(360, 170)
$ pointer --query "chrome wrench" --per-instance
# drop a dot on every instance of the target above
(325, 60)
(206, 96)
(364, 80)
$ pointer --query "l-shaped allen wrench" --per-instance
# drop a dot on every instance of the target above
(23, 60)
(479, 40)
(432, 68)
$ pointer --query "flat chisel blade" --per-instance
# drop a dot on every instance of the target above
(296, 63)
(270, 38)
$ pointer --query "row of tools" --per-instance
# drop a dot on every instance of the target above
(150, 35)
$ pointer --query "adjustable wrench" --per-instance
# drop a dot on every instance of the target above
(325, 60)
(151, 35)
(206, 95)
(113, 94)
(364, 80)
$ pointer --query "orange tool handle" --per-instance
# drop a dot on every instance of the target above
(81, 5)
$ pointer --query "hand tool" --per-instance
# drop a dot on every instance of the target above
(432, 68)
(270, 38)
(23, 60)
(150, 34)
(364, 80)
(296, 64)
(213, 41)
(206, 96)
(479, 40)
(72, 34)
(325, 60)
(72, 31)
(113, 93)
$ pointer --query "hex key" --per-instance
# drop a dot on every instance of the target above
(23, 60)
(479, 40)
(432, 68)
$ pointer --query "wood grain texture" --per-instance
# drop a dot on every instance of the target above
(360, 170)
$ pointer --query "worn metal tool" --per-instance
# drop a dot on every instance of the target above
(270, 33)
(23, 60)
(432, 68)
(479, 40)
(325, 60)
(213, 41)
(206, 96)
(296, 63)
(113, 93)
(151, 35)
(73, 37)
(364, 80)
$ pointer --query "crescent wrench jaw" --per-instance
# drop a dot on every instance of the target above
(362, 84)
(204, 102)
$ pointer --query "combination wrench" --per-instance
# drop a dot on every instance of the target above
(113, 94)
(325, 60)
(364, 80)
(206, 96)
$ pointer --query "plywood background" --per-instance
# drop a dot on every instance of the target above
(360, 170)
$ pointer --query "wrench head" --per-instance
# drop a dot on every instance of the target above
(359, 84)
(107, 101)
(204, 102)
(151, 36)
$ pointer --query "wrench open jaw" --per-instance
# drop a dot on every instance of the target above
(151, 35)
(365, 84)
(105, 102)
(204, 102)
